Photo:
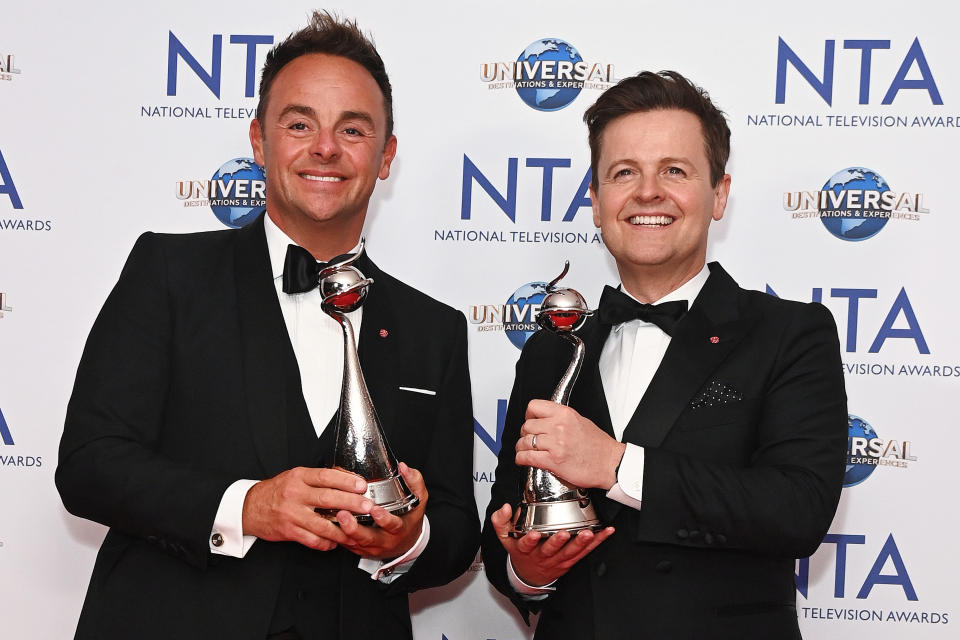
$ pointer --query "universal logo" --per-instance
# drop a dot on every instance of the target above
(4, 306)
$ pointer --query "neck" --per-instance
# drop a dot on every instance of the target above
(649, 284)
(324, 240)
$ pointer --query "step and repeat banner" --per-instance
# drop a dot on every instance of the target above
(117, 118)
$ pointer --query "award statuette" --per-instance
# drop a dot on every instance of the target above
(549, 504)
(361, 446)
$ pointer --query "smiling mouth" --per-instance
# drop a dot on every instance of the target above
(650, 221)
(322, 178)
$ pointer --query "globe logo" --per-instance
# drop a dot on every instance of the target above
(520, 312)
(548, 80)
(859, 467)
(237, 192)
(851, 209)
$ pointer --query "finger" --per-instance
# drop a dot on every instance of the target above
(540, 409)
(334, 479)
(501, 520)
(335, 499)
(594, 540)
(387, 521)
(415, 482)
(535, 425)
(530, 458)
(355, 533)
(320, 527)
(555, 543)
(529, 542)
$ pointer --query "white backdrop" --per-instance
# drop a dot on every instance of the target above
(94, 147)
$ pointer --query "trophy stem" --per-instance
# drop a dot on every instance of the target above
(549, 503)
(361, 446)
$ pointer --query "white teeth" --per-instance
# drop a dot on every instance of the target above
(651, 220)
(322, 178)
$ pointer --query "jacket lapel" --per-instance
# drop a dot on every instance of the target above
(264, 344)
(703, 339)
(588, 397)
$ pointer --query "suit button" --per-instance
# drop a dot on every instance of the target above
(683, 534)
(708, 538)
(216, 540)
(601, 569)
(664, 566)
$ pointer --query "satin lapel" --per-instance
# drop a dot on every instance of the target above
(265, 343)
(587, 396)
(703, 339)
(378, 346)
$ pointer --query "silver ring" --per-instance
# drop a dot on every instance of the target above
(533, 443)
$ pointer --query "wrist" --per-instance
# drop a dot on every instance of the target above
(614, 466)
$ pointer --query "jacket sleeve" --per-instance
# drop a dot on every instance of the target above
(110, 469)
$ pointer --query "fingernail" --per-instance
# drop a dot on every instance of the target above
(366, 505)
(359, 485)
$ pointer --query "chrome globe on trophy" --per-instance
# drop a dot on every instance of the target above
(361, 446)
(549, 504)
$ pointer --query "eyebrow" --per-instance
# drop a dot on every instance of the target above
(310, 112)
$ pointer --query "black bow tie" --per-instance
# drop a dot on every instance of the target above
(617, 307)
(301, 271)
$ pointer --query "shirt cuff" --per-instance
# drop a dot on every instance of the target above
(628, 489)
(227, 537)
(526, 591)
(387, 572)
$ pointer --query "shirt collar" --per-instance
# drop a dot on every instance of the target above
(277, 242)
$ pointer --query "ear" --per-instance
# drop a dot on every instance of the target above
(595, 206)
(389, 153)
(720, 194)
(256, 141)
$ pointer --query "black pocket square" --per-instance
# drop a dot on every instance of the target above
(716, 393)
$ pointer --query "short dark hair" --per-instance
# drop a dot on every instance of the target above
(333, 36)
(648, 91)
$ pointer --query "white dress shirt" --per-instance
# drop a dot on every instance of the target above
(317, 341)
(630, 357)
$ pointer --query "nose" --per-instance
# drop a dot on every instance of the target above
(648, 188)
(325, 145)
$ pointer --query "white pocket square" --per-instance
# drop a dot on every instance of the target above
(426, 392)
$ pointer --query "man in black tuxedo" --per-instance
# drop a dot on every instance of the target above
(712, 439)
(200, 426)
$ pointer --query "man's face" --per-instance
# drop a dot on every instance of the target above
(654, 201)
(323, 143)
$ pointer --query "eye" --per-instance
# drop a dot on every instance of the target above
(352, 131)
(622, 173)
(298, 126)
(676, 171)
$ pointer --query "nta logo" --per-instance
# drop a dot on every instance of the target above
(823, 86)
(5, 431)
(176, 51)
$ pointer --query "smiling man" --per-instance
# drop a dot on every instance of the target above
(709, 422)
(200, 429)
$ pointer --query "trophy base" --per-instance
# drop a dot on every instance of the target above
(392, 494)
(552, 517)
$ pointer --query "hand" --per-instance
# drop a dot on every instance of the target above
(282, 507)
(568, 445)
(394, 535)
(540, 564)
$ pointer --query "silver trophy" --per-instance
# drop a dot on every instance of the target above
(549, 504)
(361, 447)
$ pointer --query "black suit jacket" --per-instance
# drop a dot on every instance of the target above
(186, 383)
(744, 430)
